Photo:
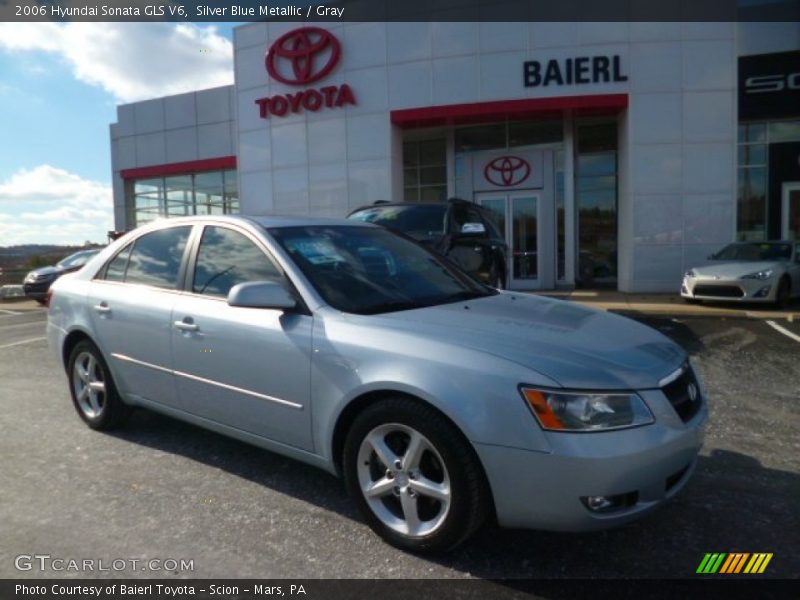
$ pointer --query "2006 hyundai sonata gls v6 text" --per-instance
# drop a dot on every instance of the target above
(439, 400)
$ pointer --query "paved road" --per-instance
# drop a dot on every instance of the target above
(161, 489)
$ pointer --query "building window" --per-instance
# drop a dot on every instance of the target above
(206, 193)
(596, 199)
(510, 134)
(424, 171)
(751, 188)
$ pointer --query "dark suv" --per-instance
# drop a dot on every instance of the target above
(460, 230)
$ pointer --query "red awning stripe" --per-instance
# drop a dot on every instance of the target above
(453, 114)
(181, 168)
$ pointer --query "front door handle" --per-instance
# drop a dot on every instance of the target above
(186, 325)
(102, 308)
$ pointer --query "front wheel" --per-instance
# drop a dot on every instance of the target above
(94, 394)
(413, 476)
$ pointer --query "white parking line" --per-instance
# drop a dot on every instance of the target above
(20, 342)
(784, 331)
(9, 312)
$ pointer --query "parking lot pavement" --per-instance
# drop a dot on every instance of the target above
(161, 489)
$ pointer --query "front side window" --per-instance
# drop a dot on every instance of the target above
(369, 270)
(156, 258)
(226, 258)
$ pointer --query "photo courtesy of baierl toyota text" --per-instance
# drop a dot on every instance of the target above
(339, 300)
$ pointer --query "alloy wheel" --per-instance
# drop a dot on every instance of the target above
(404, 480)
(89, 385)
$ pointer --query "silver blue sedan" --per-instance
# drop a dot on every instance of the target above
(439, 400)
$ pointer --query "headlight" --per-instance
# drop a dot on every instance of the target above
(690, 273)
(586, 411)
(766, 274)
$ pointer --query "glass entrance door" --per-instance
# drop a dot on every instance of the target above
(518, 216)
(791, 210)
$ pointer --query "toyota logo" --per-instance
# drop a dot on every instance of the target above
(303, 56)
(506, 171)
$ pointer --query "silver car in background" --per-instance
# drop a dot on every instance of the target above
(747, 272)
(440, 401)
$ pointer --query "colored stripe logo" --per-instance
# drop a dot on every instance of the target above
(734, 563)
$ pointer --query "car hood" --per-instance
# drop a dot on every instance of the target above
(734, 270)
(43, 271)
(577, 347)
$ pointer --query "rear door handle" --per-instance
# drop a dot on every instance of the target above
(102, 308)
(186, 325)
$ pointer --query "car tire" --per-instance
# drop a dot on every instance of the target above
(691, 301)
(92, 388)
(430, 500)
(783, 297)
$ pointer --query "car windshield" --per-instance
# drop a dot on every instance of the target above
(755, 251)
(419, 221)
(77, 259)
(369, 270)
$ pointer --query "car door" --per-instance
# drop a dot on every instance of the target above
(131, 303)
(470, 246)
(247, 368)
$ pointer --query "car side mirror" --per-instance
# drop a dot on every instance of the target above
(473, 229)
(261, 294)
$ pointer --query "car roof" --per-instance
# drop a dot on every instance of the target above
(271, 221)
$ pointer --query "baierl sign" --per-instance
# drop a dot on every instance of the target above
(303, 57)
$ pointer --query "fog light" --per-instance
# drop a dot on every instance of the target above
(598, 502)
(763, 292)
(607, 504)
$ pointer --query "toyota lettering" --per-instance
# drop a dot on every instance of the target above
(301, 57)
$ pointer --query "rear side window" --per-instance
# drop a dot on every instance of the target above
(226, 258)
(156, 258)
(115, 271)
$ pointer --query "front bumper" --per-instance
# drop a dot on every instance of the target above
(729, 290)
(650, 464)
(37, 290)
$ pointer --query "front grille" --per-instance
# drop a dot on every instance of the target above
(718, 291)
(684, 394)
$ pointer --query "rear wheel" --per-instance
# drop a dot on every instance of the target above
(413, 476)
(94, 394)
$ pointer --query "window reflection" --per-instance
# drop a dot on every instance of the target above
(596, 193)
(227, 258)
(206, 193)
(156, 257)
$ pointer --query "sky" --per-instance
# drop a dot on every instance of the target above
(60, 85)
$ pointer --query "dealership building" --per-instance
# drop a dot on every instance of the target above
(609, 154)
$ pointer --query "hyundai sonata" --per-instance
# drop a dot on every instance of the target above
(440, 401)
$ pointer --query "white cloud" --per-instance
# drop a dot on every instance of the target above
(47, 205)
(132, 61)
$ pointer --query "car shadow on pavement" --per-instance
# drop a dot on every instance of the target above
(731, 504)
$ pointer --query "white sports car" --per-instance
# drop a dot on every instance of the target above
(747, 272)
